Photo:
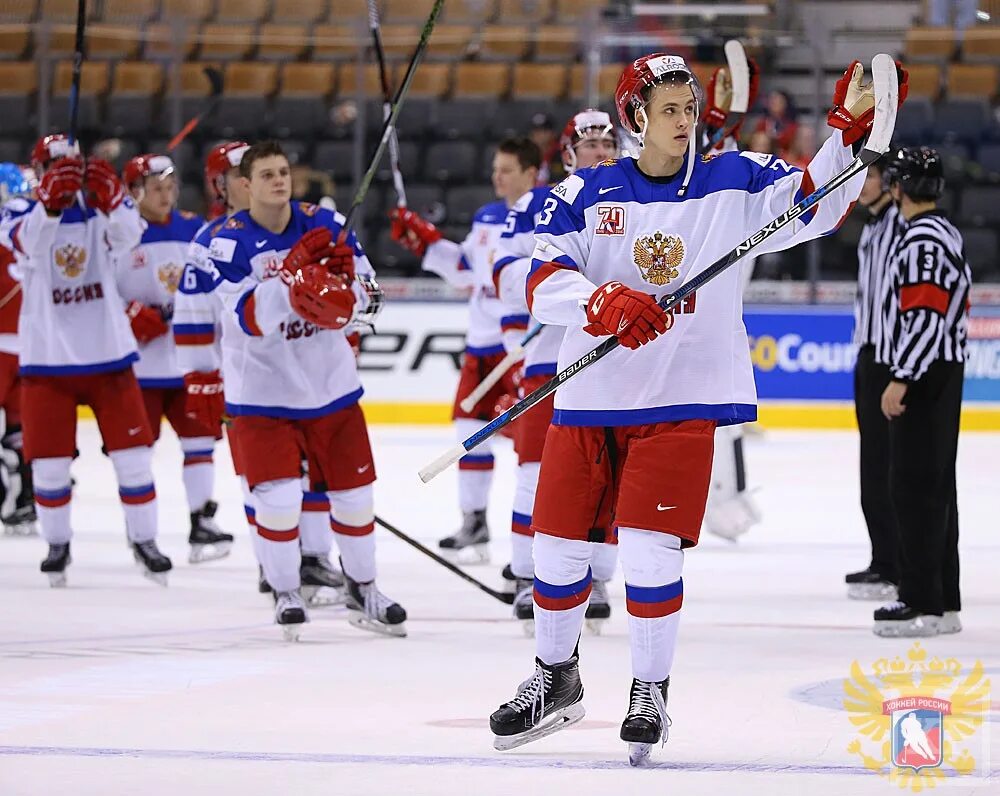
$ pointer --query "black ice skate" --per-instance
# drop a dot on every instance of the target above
(18, 501)
(509, 580)
(472, 541)
(900, 620)
(262, 585)
(154, 564)
(369, 609)
(548, 701)
(322, 582)
(869, 585)
(599, 608)
(207, 540)
(55, 564)
(647, 722)
(524, 605)
(22, 521)
(290, 613)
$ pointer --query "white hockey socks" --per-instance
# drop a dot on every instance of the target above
(134, 469)
(475, 470)
(603, 560)
(520, 525)
(314, 524)
(198, 471)
(52, 497)
(654, 592)
(562, 589)
(352, 518)
(278, 505)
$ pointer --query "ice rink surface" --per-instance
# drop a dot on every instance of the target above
(118, 686)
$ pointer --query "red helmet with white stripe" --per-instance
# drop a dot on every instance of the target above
(149, 165)
(52, 147)
(219, 161)
(587, 125)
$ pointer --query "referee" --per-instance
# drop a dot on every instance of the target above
(925, 323)
(878, 581)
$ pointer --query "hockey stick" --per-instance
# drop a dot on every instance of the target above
(504, 597)
(514, 356)
(74, 91)
(739, 75)
(886, 95)
(397, 175)
(390, 121)
(214, 98)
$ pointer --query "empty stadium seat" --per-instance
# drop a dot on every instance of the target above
(391, 256)
(347, 81)
(981, 252)
(14, 42)
(18, 84)
(253, 11)
(465, 118)
(929, 44)
(538, 81)
(473, 80)
(283, 42)
(463, 202)
(129, 10)
(195, 10)
(415, 119)
(473, 12)
(341, 11)
(450, 161)
(22, 12)
(63, 10)
(534, 11)
(301, 108)
(409, 158)
(399, 40)
(425, 199)
(334, 157)
(961, 120)
(504, 42)
(243, 108)
(988, 160)
(93, 84)
(429, 80)
(981, 43)
(165, 40)
(914, 121)
(395, 11)
(227, 42)
(972, 80)
(451, 41)
(338, 42)
(955, 158)
(131, 103)
(299, 11)
(557, 43)
(13, 150)
(981, 205)
(924, 81)
(579, 10)
(117, 42)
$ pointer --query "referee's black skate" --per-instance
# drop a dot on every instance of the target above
(471, 542)
(899, 620)
(548, 701)
(646, 722)
(322, 583)
(208, 541)
(869, 585)
(153, 563)
(55, 564)
(369, 609)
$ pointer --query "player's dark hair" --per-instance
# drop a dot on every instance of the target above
(527, 152)
(262, 149)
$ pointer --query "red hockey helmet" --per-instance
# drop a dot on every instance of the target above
(149, 165)
(588, 125)
(219, 161)
(650, 70)
(52, 147)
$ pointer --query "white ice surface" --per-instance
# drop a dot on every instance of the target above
(117, 686)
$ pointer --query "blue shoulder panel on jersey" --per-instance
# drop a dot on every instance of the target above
(196, 281)
(178, 228)
(492, 213)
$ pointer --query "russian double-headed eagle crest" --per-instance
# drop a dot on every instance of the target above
(658, 257)
(170, 276)
(71, 260)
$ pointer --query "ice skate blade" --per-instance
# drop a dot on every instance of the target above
(322, 596)
(200, 553)
(159, 578)
(362, 622)
(915, 628)
(21, 529)
(950, 623)
(57, 580)
(595, 626)
(883, 592)
(472, 556)
(639, 753)
(291, 633)
(528, 627)
(559, 720)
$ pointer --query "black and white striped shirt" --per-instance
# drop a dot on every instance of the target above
(925, 316)
(874, 250)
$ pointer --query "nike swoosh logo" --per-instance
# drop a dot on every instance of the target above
(261, 244)
(133, 431)
(660, 507)
(603, 191)
(362, 469)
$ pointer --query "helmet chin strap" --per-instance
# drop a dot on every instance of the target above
(640, 135)
(692, 147)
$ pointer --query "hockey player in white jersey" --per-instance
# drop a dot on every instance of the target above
(148, 279)
(587, 139)
(470, 264)
(77, 347)
(292, 383)
(611, 242)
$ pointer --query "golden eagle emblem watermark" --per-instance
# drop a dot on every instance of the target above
(71, 260)
(658, 257)
(170, 276)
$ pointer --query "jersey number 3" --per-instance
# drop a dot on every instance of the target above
(547, 210)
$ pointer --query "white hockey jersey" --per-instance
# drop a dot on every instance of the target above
(72, 318)
(197, 307)
(151, 274)
(470, 264)
(510, 274)
(274, 363)
(612, 222)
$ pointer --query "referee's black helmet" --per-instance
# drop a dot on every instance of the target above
(918, 170)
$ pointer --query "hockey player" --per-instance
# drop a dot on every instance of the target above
(925, 332)
(587, 139)
(198, 336)
(292, 384)
(17, 497)
(76, 345)
(148, 279)
(470, 264)
(610, 242)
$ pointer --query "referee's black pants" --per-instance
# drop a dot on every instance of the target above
(870, 380)
(923, 445)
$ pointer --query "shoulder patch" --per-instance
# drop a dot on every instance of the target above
(569, 188)
(308, 208)
(187, 215)
(222, 249)
(760, 158)
(609, 162)
(233, 223)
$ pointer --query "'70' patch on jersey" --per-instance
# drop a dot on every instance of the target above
(610, 220)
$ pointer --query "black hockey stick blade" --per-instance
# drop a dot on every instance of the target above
(886, 100)
(74, 92)
(504, 597)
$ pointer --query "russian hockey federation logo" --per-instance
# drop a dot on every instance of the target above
(922, 715)
(659, 257)
(71, 260)
(170, 276)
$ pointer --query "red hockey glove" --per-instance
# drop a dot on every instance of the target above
(60, 183)
(147, 322)
(631, 315)
(104, 190)
(340, 260)
(312, 248)
(411, 231)
(322, 298)
(853, 108)
(205, 401)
